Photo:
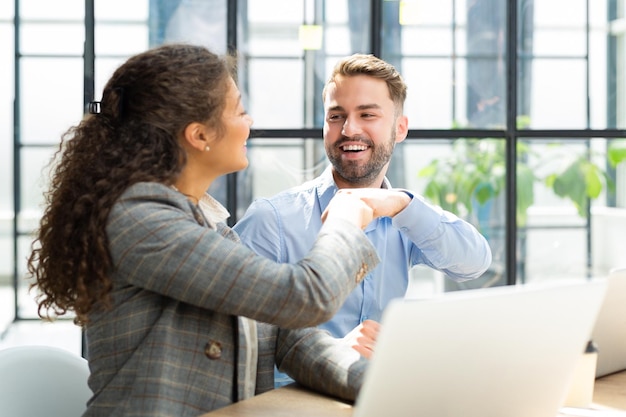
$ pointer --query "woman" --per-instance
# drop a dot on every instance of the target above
(131, 243)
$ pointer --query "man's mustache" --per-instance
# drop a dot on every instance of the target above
(361, 139)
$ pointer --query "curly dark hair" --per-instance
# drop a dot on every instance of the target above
(145, 107)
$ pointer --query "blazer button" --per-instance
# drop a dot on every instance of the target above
(213, 350)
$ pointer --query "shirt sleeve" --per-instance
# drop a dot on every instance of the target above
(259, 229)
(443, 241)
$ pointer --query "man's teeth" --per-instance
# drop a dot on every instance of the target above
(354, 148)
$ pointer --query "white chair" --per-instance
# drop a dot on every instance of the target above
(42, 381)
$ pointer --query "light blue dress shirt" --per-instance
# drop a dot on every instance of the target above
(284, 227)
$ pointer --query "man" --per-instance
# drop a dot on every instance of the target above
(363, 104)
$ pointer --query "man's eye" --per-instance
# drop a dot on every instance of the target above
(335, 117)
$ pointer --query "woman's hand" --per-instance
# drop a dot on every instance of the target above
(349, 206)
(381, 202)
(385, 202)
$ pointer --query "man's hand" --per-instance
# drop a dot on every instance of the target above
(363, 338)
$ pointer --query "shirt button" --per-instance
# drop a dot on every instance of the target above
(213, 350)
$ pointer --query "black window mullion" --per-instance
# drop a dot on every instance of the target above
(511, 145)
(231, 44)
(17, 206)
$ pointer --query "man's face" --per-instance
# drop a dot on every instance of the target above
(361, 129)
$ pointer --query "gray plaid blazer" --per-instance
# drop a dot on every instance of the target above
(173, 345)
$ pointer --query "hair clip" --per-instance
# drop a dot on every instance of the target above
(94, 107)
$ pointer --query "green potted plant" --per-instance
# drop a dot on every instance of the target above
(473, 173)
(471, 178)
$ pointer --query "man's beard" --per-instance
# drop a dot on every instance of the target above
(358, 173)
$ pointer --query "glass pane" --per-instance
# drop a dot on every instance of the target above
(558, 94)
(7, 303)
(426, 41)
(560, 42)
(27, 307)
(338, 40)
(467, 178)
(270, 33)
(468, 86)
(136, 10)
(617, 84)
(51, 97)
(276, 95)
(423, 12)
(6, 10)
(192, 21)
(355, 21)
(567, 75)
(6, 123)
(486, 63)
(7, 306)
(426, 26)
(569, 184)
(600, 72)
(34, 181)
(275, 11)
(429, 102)
(43, 38)
(548, 254)
(551, 13)
(107, 38)
(50, 10)
(277, 164)
(104, 69)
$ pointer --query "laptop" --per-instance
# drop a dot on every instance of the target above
(491, 352)
(609, 332)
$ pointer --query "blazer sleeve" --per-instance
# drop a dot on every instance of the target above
(317, 360)
(159, 244)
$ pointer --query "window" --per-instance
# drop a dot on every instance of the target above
(554, 109)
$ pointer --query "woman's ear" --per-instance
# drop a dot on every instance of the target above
(196, 135)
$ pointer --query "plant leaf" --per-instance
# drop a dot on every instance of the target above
(571, 184)
(525, 194)
(593, 179)
(616, 152)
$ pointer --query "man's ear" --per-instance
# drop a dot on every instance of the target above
(402, 128)
(196, 136)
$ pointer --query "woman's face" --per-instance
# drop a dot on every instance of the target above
(228, 153)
